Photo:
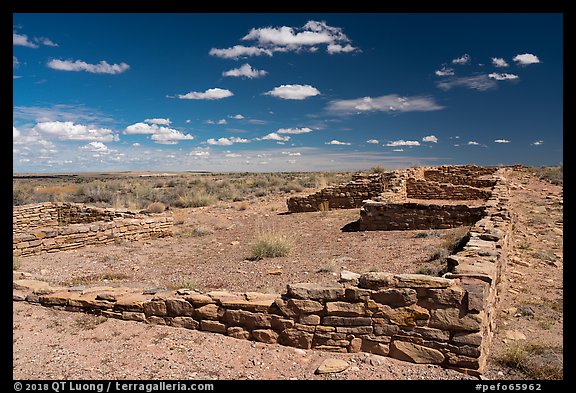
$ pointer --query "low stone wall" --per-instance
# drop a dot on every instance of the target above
(422, 189)
(344, 196)
(52, 227)
(46, 214)
(382, 216)
(446, 177)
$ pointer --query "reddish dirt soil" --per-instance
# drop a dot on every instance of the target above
(211, 250)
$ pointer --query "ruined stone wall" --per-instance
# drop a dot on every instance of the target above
(383, 216)
(344, 196)
(458, 179)
(422, 189)
(52, 227)
(446, 320)
(45, 214)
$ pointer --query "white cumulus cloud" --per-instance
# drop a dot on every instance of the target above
(67, 130)
(387, 103)
(444, 71)
(537, 143)
(294, 131)
(15, 133)
(473, 143)
(238, 51)
(226, 141)
(503, 76)
(464, 59)
(210, 94)
(526, 59)
(237, 117)
(161, 135)
(79, 65)
(95, 147)
(373, 141)
(402, 142)
(273, 136)
(430, 138)
(477, 82)
(246, 71)
(293, 92)
(499, 62)
(337, 142)
(337, 48)
(159, 121)
(221, 121)
(502, 141)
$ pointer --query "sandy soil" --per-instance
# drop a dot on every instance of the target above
(211, 250)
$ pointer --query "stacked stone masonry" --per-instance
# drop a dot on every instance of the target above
(464, 182)
(446, 320)
(53, 227)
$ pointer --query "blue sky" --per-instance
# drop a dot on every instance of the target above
(285, 92)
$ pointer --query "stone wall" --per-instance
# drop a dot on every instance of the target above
(52, 227)
(382, 216)
(344, 196)
(466, 175)
(446, 320)
(422, 189)
(389, 185)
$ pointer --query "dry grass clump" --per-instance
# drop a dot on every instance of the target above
(156, 207)
(537, 361)
(271, 244)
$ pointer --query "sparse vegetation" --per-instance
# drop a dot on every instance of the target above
(88, 322)
(426, 234)
(377, 169)
(523, 246)
(537, 361)
(271, 244)
(156, 207)
(15, 263)
(552, 174)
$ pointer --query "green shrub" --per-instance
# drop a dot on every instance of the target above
(271, 244)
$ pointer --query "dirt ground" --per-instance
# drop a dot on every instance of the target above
(211, 250)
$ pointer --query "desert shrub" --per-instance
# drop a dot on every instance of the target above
(537, 361)
(156, 207)
(291, 186)
(15, 263)
(427, 234)
(271, 244)
(195, 199)
(552, 174)
(377, 169)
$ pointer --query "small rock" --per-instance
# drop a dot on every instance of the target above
(346, 275)
(79, 288)
(514, 335)
(275, 272)
(331, 365)
(234, 243)
(153, 291)
(299, 351)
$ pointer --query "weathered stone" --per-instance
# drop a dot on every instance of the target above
(309, 319)
(130, 302)
(348, 276)
(212, 326)
(296, 338)
(238, 332)
(345, 309)
(109, 297)
(305, 328)
(455, 320)
(376, 280)
(332, 366)
(133, 316)
(255, 304)
(463, 361)
(265, 335)
(432, 298)
(415, 353)
(88, 303)
(305, 306)
(185, 322)
(209, 311)
(154, 320)
(315, 291)
(353, 293)
(514, 335)
(325, 329)
(355, 329)
(377, 347)
(157, 308)
(55, 299)
(346, 321)
(466, 350)
(404, 316)
(179, 307)
(355, 345)
(199, 300)
(34, 286)
(247, 319)
(32, 298)
(383, 328)
(468, 338)
(19, 296)
(280, 307)
(476, 291)
(426, 333)
(331, 348)
(395, 297)
(279, 323)
(421, 281)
